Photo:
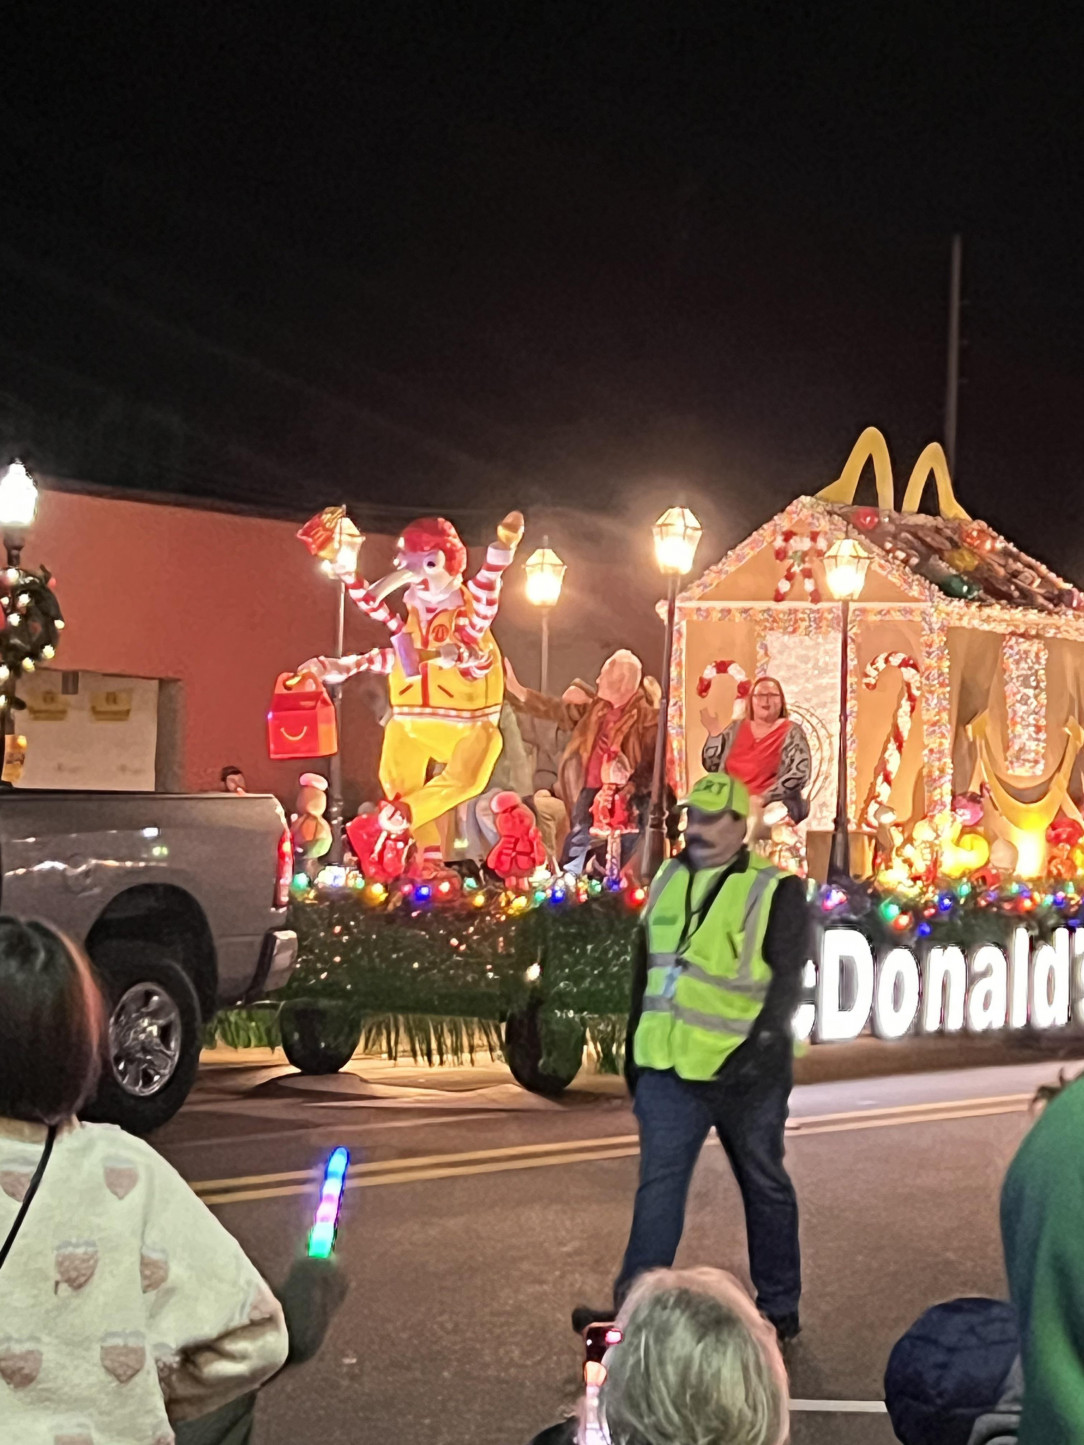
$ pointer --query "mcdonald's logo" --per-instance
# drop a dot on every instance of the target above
(931, 464)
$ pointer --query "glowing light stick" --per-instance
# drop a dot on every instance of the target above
(326, 1224)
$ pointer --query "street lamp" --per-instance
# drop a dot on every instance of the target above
(30, 619)
(677, 535)
(333, 539)
(845, 565)
(18, 505)
(545, 577)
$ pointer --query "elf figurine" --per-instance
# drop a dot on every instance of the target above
(445, 680)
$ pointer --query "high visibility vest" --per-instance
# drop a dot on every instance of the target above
(443, 692)
(707, 976)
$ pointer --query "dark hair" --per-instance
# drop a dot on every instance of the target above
(1045, 1092)
(52, 1024)
(230, 772)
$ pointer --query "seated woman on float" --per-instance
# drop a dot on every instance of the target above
(767, 750)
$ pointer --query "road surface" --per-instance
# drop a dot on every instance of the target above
(477, 1215)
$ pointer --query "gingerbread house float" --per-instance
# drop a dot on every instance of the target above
(966, 664)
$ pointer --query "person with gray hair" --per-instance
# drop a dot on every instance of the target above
(696, 1364)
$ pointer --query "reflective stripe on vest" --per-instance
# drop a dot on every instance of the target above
(697, 1010)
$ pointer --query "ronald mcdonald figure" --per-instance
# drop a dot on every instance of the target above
(445, 679)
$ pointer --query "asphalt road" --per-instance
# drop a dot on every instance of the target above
(477, 1215)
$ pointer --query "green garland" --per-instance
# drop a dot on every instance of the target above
(441, 979)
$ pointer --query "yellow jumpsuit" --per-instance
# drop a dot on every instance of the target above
(440, 717)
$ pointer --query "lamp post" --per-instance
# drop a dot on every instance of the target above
(677, 534)
(30, 617)
(545, 577)
(340, 560)
(845, 565)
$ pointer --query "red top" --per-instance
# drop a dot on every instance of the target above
(593, 778)
(755, 761)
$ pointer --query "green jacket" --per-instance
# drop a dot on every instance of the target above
(707, 977)
(1042, 1231)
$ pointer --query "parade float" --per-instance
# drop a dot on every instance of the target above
(961, 736)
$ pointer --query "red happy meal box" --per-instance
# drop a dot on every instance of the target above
(301, 719)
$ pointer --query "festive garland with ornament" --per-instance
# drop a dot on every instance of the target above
(892, 752)
(31, 628)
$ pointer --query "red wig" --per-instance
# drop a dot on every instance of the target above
(435, 534)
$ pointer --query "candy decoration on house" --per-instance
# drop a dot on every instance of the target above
(446, 681)
(519, 849)
(964, 849)
(309, 828)
(726, 668)
(611, 816)
(799, 550)
(892, 752)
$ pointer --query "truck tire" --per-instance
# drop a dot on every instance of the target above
(154, 1035)
(318, 1038)
(532, 1037)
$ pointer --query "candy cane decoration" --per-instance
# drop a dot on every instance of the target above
(889, 764)
(799, 552)
(725, 668)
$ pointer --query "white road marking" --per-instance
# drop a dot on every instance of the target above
(841, 1407)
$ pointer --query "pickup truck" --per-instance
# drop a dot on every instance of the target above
(180, 902)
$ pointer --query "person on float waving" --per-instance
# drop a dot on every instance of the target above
(716, 983)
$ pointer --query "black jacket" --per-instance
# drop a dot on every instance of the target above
(786, 950)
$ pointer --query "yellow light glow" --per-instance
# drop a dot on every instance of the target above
(1030, 851)
(677, 536)
(845, 565)
(545, 576)
(18, 498)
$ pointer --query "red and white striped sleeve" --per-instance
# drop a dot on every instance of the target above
(379, 659)
(361, 596)
(485, 592)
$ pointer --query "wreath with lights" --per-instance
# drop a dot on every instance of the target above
(32, 622)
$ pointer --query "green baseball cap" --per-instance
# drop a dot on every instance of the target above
(717, 792)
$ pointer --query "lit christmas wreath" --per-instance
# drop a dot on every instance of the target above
(31, 627)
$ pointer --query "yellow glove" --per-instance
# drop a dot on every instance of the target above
(510, 531)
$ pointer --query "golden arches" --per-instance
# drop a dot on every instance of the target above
(872, 447)
(932, 462)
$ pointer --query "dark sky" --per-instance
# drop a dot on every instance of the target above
(457, 257)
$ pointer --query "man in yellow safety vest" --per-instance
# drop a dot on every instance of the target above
(710, 1042)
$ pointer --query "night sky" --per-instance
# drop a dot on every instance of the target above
(456, 258)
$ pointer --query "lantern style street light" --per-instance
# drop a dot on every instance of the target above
(845, 566)
(545, 577)
(677, 535)
(18, 507)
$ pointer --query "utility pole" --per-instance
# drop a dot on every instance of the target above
(952, 388)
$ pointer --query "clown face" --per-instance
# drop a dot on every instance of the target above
(430, 560)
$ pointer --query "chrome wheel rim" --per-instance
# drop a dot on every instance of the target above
(144, 1039)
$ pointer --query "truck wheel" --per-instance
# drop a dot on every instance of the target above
(154, 1036)
(544, 1051)
(319, 1038)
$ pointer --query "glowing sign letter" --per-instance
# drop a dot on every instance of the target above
(988, 1000)
(835, 1019)
(805, 1015)
(944, 1005)
(895, 1006)
(1050, 983)
(1021, 958)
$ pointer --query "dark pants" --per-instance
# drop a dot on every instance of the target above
(747, 1103)
(580, 843)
